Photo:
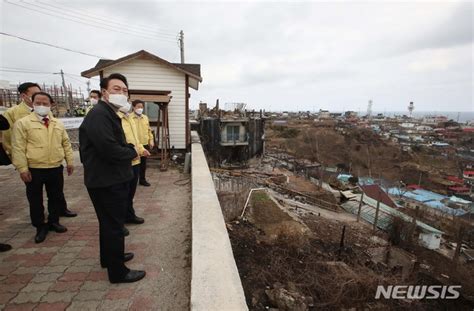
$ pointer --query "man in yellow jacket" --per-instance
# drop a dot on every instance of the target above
(40, 144)
(131, 136)
(15, 113)
(145, 136)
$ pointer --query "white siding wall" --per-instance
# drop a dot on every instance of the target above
(143, 74)
(430, 240)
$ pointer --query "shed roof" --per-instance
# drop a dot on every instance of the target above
(193, 70)
(376, 193)
(386, 214)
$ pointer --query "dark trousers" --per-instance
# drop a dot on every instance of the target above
(110, 204)
(143, 165)
(53, 180)
(131, 193)
(63, 205)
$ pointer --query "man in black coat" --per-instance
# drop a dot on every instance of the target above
(4, 125)
(107, 157)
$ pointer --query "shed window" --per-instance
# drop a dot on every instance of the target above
(233, 132)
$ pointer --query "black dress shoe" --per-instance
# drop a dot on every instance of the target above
(41, 234)
(145, 183)
(131, 276)
(57, 227)
(136, 220)
(126, 257)
(125, 232)
(68, 213)
(5, 247)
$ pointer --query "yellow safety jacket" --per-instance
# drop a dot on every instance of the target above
(130, 129)
(13, 114)
(145, 136)
(35, 146)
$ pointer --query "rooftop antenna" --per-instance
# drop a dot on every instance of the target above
(411, 107)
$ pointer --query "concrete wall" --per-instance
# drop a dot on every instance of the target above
(215, 283)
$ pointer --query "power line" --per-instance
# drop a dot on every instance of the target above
(83, 22)
(72, 74)
(113, 25)
(24, 71)
(29, 70)
(143, 28)
(50, 45)
(71, 77)
(94, 24)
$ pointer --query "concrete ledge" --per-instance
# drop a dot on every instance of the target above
(215, 283)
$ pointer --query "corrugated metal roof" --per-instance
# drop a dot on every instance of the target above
(386, 214)
(428, 198)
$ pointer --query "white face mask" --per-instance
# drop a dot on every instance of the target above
(94, 101)
(118, 100)
(42, 110)
(139, 111)
(126, 108)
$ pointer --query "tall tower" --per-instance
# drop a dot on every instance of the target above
(411, 107)
(369, 110)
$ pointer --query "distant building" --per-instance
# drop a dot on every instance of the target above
(324, 114)
(280, 123)
(424, 128)
(434, 120)
(232, 139)
(350, 114)
(407, 125)
(468, 177)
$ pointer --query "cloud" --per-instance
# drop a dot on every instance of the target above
(272, 55)
(455, 30)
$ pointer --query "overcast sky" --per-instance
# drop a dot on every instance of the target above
(270, 55)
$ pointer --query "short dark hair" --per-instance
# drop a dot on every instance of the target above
(44, 94)
(138, 101)
(104, 83)
(23, 88)
(96, 92)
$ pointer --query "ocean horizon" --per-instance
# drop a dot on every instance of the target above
(458, 116)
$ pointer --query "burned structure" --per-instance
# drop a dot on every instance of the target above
(230, 137)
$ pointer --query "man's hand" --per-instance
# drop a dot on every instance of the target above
(70, 170)
(138, 154)
(151, 145)
(26, 176)
(146, 153)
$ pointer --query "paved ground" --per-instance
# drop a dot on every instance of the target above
(64, 272)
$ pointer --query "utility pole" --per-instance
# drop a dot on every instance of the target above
(181, 45)
(88, 87)
(65, 90)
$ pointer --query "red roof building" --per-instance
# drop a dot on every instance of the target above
(455, 179)
(460, 189)
(414, 187)
(377, 193)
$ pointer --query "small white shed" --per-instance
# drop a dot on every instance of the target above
(153, 79)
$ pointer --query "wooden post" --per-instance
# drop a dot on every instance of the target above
(377, 213)
(360, 206)
(341, 244)
(459, 237)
